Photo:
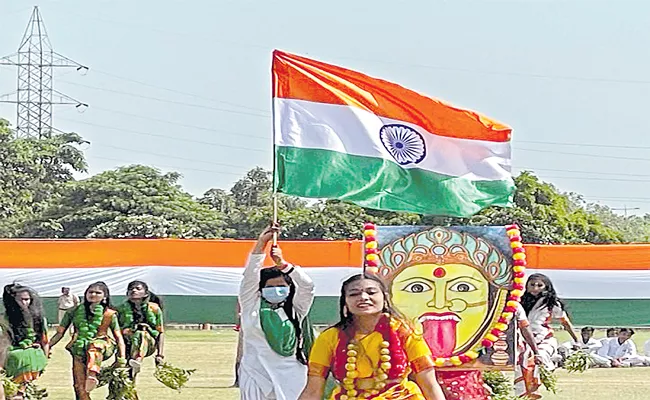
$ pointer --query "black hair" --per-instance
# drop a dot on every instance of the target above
(628, 330)
(346, 318)
(274, 272)
(105, 303)
(21, 319)
(549, 295)
(612, 330)
(138, 315)
(587, 329)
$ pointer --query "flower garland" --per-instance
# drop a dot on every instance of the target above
(127, 311)
(87, 330)
(370, 249)
(392, 364)
(371, 265)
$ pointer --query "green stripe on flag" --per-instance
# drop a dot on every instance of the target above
(384, 185)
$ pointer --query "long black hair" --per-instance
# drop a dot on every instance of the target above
(287, 305)
(21, 319)
(346, 318)
(106, 303)
(549, 295)
(138, 315)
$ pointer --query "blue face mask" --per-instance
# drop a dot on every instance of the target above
(276, 294)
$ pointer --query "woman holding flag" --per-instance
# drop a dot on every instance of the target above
(274, 305)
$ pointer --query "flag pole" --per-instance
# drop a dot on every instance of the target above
(275, 188)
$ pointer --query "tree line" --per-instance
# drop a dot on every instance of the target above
(39, 198)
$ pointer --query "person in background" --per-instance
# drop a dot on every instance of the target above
(620, 352)
(611, 334)
(94, 319)
(66, 301)
(141, 319)
(542, 305)
(27, 330)
(587, 344)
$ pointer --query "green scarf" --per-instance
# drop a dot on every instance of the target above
(280, 333)
(87, 330)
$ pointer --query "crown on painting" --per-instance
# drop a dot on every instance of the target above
(446, 246)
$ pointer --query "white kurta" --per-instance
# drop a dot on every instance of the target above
(540, 318)
(624, 352)
(592, 345)
(263, 373)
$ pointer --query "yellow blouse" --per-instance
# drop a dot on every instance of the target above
(416, 349)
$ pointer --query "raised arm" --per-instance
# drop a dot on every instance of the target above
(250, 282)
(304, 296)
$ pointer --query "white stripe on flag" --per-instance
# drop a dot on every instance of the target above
(351, 130)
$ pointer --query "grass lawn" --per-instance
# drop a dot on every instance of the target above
(213, 353)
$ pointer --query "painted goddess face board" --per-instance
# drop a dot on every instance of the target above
(452, 284)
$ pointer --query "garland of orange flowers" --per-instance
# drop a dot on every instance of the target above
(370, 249)
(371, 265)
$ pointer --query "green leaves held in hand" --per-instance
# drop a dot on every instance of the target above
(172, 377)
(120, 384)
(578, 362)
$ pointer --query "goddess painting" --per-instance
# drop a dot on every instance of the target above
(453, 285)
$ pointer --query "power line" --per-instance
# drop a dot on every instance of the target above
(177, 91)
(166, 136)
(609, 146)
(213, 39)
(174, 167)
(169, 101)
(580, 172)
(170, 156)
(584, 155)
(178, 123)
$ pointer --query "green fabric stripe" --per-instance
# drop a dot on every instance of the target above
(221, 310)
(381, 184)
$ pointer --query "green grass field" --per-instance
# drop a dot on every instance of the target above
(213, 353)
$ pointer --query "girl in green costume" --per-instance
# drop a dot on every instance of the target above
(91, 344)
(27, 330)
(141, 320)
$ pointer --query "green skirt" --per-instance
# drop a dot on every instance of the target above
(25, 362)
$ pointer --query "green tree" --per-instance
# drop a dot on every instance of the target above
(32, 173)
(547, 216)
(128, 202)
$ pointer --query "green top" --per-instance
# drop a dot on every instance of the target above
(87, 330)
(152, 312)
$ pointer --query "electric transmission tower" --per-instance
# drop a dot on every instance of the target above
(35, 96)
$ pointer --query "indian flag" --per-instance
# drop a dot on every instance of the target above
(340, 134)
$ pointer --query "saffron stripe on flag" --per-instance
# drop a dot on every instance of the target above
(301, 78)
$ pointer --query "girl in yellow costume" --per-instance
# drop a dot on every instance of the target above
(371, 351)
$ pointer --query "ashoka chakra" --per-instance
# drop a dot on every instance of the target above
(405, 144)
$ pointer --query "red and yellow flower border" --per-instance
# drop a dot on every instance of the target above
(371, 266)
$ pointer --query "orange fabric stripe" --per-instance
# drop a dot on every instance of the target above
(301, 78)
(233, 253)
(167, 252)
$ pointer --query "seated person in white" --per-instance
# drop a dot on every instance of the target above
(620, 352)
(646, 348)
(587, 343)
(611, 333)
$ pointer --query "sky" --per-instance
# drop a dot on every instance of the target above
(185, 86)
